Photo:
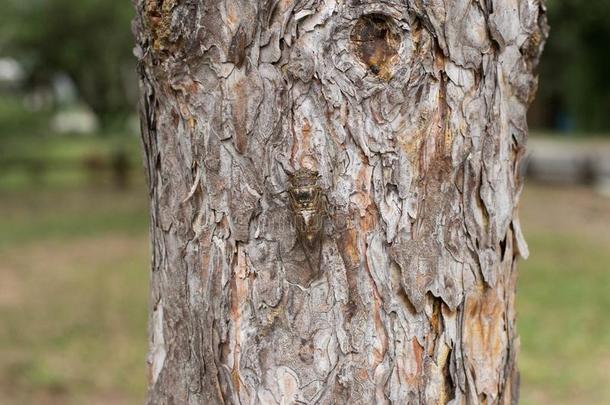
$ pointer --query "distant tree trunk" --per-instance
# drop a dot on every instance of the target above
(334, 188)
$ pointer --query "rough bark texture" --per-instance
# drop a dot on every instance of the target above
(414, 115)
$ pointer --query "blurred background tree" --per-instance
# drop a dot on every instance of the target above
(574, 92)
(90, 41)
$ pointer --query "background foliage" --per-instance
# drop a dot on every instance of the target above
(89, 40)
(574, 92)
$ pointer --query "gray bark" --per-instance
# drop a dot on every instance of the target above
(413, 114)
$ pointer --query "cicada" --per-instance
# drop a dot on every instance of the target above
(308, 205)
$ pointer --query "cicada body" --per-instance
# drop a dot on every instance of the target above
(307, 203)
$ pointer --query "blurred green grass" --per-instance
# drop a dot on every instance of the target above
(69, 147)
(563, 303)
(55, 161)
(74, 259)
(74, 262)
(563, 297)
(31, 216)
(73, 288)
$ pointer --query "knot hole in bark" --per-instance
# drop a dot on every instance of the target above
(376, 39)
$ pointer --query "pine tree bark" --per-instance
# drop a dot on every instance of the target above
(395, 128)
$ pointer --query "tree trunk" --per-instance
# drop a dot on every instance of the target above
(334, 188)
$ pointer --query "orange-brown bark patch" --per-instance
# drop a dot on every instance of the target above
(418, 354)
(484, 335)
(239, 294)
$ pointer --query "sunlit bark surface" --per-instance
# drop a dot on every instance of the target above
(413, 114)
